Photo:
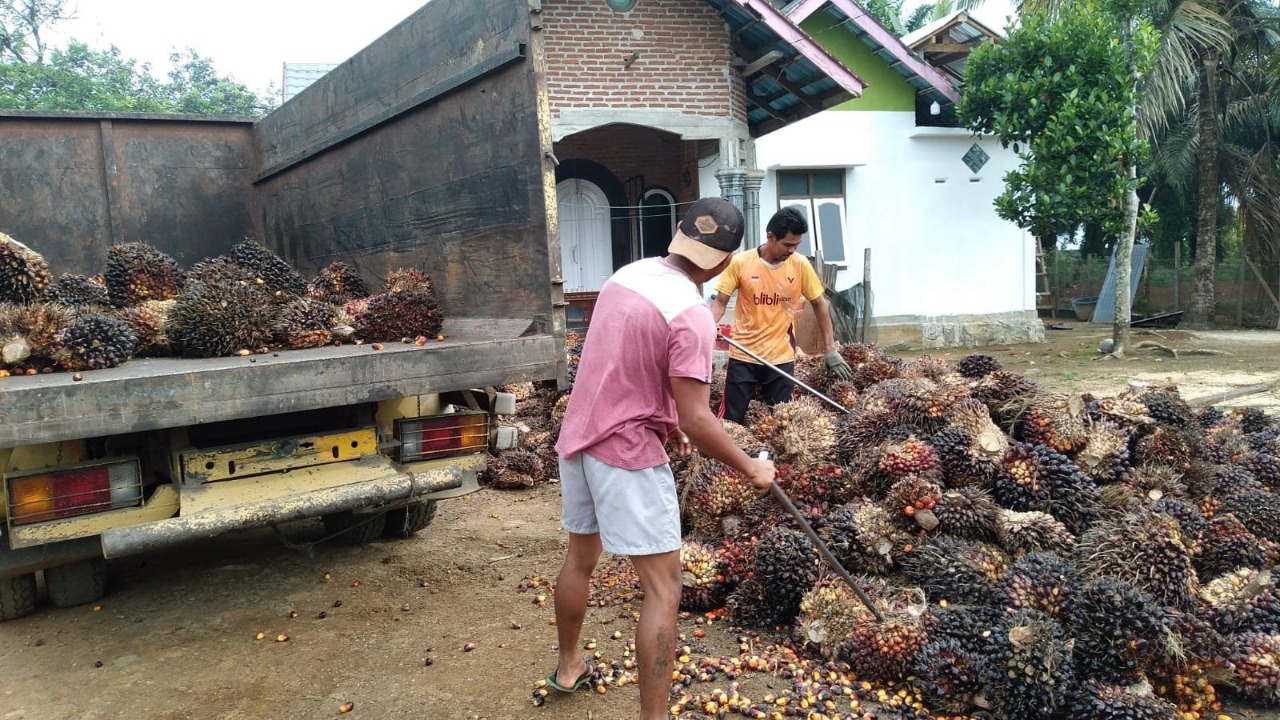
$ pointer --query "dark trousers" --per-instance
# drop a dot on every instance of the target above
(741, 379)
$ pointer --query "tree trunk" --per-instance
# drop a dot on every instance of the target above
(1124, 263)
(1200, 309)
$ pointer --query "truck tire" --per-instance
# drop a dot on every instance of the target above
(76, 584)
(404, 522)
(348, 528)
(17, 596)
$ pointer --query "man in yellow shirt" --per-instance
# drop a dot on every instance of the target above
(772, 283)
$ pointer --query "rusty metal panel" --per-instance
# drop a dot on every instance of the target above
(71, 184)
(423, 150)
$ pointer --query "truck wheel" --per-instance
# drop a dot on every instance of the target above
(351, 529)
(404, 522)
(17, 596)
(76, 584)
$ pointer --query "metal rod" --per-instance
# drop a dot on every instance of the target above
(783, 373)
(781, 496)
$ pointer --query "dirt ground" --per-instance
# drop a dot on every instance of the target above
(176, 636)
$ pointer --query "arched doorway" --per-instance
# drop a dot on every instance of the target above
(586, 252)
(657, 222)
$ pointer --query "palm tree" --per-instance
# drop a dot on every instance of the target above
(1224, 140)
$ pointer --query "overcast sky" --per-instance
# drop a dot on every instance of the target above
(251, 40)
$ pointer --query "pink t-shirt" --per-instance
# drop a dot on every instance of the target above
(649, 325)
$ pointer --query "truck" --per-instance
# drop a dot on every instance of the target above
(430, 149)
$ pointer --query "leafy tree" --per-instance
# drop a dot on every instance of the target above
(1062, 91)
(21, 22)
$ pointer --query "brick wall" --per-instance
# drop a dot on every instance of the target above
(662, 158)
(679, 51)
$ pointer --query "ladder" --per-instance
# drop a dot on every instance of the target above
(1042, 281)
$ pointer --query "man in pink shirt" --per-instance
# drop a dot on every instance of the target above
(643, 381)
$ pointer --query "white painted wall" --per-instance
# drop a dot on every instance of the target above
(936, 248)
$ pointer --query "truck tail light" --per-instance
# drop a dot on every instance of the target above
(442, 435)
(79, 491)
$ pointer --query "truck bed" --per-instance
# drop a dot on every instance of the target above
(150, 394)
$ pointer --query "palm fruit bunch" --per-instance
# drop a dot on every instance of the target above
(305, 322)
(967, 512)
(1028, 668)
(1037, 477)
(1055, 420)
(717, 494)
(223, 269)
(700, 583)
(736, 558)
(870, 365)
(1119, 631)
(948, 666)
(1242, 600)
(93, 342)
(926, 405)
(912, 456)
(1161, 445)
(407, 309)
(1251, 419)
(828, 617)
(910, 502)
(1232, 480)
(750, 606)
(955, 570)
(977, 366)
(1191, 521)
(1225, 545)
(883, 649)
(786, 567)
(1167, 406)
(24, 274)
(1004, 393)
(844, 392)
(813, 489)
(929, 366)
(812, 371)
(137, 272)
(865, 429)
(862, 536)
(1254, 658)
(213, 319)
(1121, 410)
(1040, 581)
(514, 469)
(1143, 548)
(1102, 701)
(971, 447)
(1265, 467)
(1104, 455)
(1152, 483)
(337, 283)
(75, 290)
(31, 331)
(277, 274)
(800, 432)
(1034, 531)
(148, 323)
(1259, 510)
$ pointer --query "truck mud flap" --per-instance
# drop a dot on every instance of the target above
(122, 541)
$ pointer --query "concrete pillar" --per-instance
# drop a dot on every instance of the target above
(751, 208)
(731, 181)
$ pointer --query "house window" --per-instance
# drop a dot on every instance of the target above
(819, 196)
(657, 222)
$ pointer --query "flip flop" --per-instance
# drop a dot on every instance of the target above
(578, 684)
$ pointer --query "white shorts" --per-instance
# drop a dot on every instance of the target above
(635, 511)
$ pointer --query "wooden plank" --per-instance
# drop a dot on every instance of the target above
(159, 393)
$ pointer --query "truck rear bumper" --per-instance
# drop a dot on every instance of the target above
(388, 489)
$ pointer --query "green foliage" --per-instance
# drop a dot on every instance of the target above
(1061, 91)
(80, 78)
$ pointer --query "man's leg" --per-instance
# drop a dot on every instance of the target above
(739, 383)
(656, 633)
(571, 603)
(776, 388)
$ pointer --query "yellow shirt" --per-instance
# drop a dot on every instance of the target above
(769, 301)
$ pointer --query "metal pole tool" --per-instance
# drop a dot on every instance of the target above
(781, 496)
(783, 373)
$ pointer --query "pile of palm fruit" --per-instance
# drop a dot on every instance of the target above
(1031, 554)
(144, 305)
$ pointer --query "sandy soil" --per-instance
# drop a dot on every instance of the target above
(176, 636)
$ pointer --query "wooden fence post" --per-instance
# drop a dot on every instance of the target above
(866, 292)
(1240, 292)
(1177, 276)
